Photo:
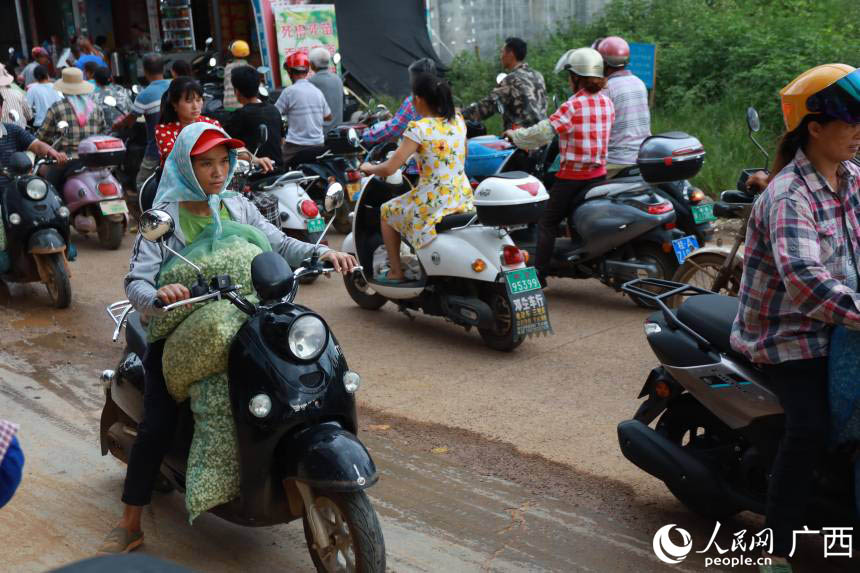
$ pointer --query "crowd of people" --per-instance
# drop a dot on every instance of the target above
(800, 273)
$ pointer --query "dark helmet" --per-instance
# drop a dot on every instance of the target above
(423, 66)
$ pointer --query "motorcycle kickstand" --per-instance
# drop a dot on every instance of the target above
(404, 310)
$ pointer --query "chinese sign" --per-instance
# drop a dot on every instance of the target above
(528, 302)
(302, 28)
(643, 63)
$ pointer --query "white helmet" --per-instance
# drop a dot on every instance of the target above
(585, 62)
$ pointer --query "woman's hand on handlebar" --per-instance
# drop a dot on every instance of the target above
(343, 263)
(168, 294)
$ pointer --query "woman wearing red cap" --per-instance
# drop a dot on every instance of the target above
(192, 192)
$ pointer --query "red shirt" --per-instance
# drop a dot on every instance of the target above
(583, 124)
(166, 134)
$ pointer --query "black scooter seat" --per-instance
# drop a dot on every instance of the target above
(453, 221)
(135, 335)
(711, 316)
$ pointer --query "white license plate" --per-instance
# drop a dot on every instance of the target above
(113, 207)
(684, 246)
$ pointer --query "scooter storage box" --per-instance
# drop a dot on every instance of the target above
(514, 198)
(672, 156)
(336, 139)
(101, 151)
(486, 155)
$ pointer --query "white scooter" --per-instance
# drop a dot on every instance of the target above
(472, 273)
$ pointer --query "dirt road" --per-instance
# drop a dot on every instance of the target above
(526, 476)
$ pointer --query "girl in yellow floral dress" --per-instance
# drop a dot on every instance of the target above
(438, 141)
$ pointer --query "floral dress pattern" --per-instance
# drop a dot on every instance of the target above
(443, 188)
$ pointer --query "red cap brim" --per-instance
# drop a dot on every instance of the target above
(212, 138)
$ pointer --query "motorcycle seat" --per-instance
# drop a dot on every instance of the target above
(453, 221)
(711, 316)
(608, 188)
(135, 335)
(150, 188)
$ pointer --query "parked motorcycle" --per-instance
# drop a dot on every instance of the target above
(624, 230)
(717, 268)
(34, 231)
(718, 423)
(471, 274)
(293, 400)
(92, 193)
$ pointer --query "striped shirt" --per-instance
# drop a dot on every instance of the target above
(148, 104)
(797, 259)
(305, 107)
(14, 98)
(583, 123)
(632, 117)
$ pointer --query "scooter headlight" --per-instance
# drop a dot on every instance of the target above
(307, 337)
(36, 189)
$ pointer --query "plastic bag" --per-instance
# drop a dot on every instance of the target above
(411, 266)
(230, 253)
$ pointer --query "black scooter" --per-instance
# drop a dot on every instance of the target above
(36, 227)
(623, 229)
(292, 396)
(718, 423)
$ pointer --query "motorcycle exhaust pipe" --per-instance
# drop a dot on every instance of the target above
(468, 310)
(656, 455)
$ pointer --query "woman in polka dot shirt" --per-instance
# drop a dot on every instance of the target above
(181, 106)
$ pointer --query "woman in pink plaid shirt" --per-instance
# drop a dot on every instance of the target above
(583, 124)
(800, 279)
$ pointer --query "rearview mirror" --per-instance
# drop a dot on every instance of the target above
(352, 137)
(336, 58)
(264, 93)
(135, 89)
(14, 116)
(213, 62)
(63, 125)
(242, 167)
(110, 101)
(156, 225)
(208, 42)
(753, 120)
(334, 197)
(501, 77)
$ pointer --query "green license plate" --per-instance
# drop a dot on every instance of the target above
(703, 213)
(522, 280)
(316, 225)
(113, 207)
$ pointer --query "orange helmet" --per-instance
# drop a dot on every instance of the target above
(297, 61)
(240, 49)
(832, 90)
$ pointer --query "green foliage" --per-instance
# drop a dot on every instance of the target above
(714, 59)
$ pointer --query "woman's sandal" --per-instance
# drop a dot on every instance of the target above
(120, 540)
(383, 279)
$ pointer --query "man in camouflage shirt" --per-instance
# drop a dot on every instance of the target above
(522, 93)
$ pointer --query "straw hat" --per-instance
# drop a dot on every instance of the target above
(72, 83)
(5, 77)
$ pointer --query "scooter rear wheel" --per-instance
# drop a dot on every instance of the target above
(502, 335)
(110, 233)
(58, 284)
(691, 426)
(356, 542)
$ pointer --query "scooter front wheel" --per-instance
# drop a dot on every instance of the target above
(354, 534)
(57, 281)
(361, 293)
